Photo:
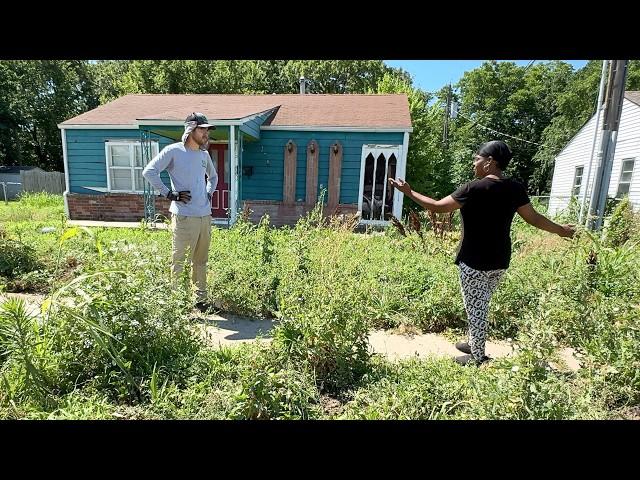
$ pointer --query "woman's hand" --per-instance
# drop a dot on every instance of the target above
(529, 214)
(401, 185)
(568, 231)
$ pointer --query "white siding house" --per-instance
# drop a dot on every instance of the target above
(572, 163)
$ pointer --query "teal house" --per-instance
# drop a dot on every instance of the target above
(274, 155)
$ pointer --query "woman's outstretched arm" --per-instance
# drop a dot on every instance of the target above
(447, 204)
(543, 223)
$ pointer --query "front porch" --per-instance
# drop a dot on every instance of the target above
(225, 147)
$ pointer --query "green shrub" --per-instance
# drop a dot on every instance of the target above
(621, 224)
(114, 328)
(272, 389)
(16, 258)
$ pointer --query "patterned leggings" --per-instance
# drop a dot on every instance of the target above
(477, 288)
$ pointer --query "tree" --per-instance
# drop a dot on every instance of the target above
(427, 167)
(107, 77)
(37, 95)
(116, 78)
(337, 76)
(10, 152)
(502, 101)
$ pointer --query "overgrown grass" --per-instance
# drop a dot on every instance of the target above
(33, 207)
(439, 389)
(116, 338)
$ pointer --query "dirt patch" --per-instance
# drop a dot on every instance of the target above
(33, 301)
(231, 329)
(630, 413)
(331, 406)
(399, 347)
(569, 361)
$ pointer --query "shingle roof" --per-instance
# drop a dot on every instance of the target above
(633, 96)
(365, 111)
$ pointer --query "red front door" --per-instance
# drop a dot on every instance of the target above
(220, 199)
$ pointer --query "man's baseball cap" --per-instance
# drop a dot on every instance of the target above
(200, 119)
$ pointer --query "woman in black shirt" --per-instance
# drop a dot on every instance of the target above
(487, 206)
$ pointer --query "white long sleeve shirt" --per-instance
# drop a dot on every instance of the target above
(186, 169)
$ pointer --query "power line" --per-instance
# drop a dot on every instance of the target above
(500, 133)
(496, 103)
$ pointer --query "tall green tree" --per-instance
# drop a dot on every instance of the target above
(338, 76)
(427, 166)
(507, 102)
(115, 78)
(36, 96)
(107, 76)
(10, 151)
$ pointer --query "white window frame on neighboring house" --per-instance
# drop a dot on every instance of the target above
(375, 151)
(575, 178)
(132, 167)
(622, 172)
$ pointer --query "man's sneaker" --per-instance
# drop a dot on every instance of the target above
(470, 359)
(463, 347)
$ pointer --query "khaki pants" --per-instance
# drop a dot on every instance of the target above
(193, 233)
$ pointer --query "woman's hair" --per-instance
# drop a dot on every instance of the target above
(498, 150)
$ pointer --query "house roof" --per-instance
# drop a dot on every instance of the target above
(633, 96)
(311, 110)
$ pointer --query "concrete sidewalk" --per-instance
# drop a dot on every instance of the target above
(97, 223)
(150, 225)
(227, 329)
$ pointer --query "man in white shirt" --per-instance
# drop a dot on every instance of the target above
(187, 162)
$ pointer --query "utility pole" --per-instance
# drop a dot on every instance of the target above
(584, 202)
(612, 110)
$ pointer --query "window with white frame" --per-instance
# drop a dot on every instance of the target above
(379, 162)
(577, 181)
(125, 165)
(625, 177)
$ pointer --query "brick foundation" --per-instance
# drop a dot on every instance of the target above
(280, 214)
(126, 207)
(117, 207)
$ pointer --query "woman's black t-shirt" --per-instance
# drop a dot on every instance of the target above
(488, 207)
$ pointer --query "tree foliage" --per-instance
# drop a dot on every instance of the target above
(536, 108)
(35, 96)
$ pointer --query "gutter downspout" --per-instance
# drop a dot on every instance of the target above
(66, 173)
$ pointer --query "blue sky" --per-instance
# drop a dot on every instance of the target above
(431, 75)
